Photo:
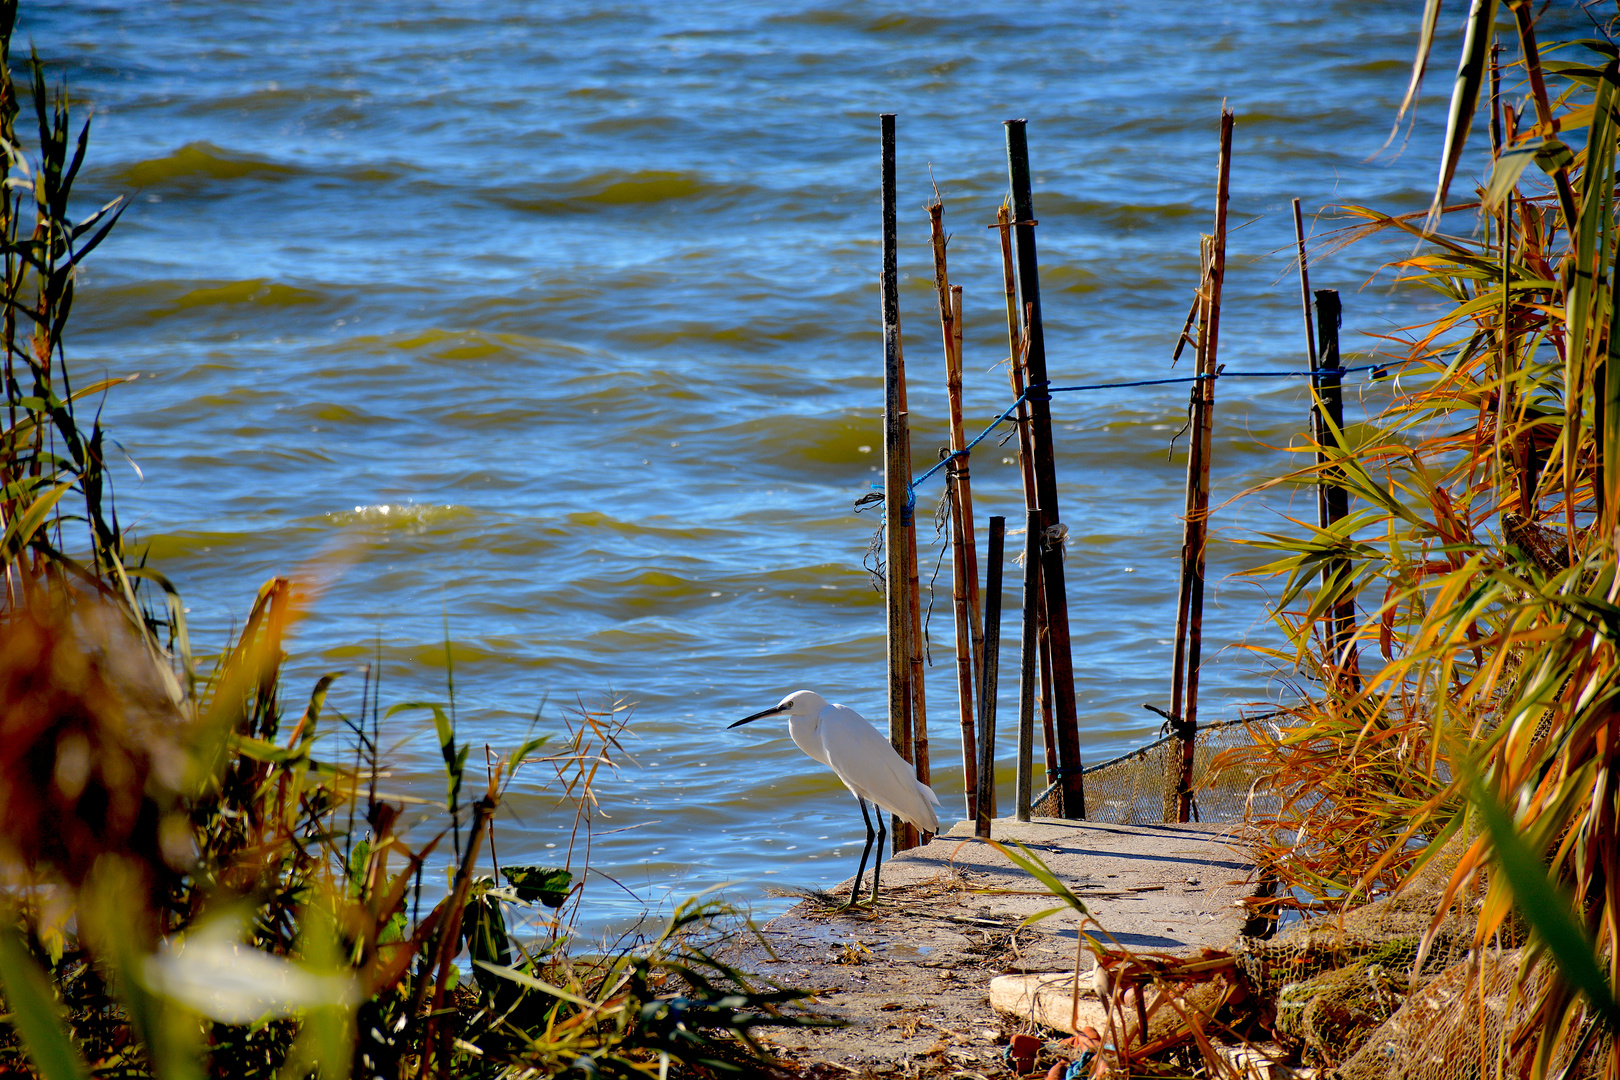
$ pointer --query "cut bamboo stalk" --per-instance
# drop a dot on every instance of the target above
(1304, 284)
(975, 603)
(1190, 635)
(964, 655)
(964, 564)
(1015, 351)
(1026, 664)
(1310, 352)
(1187, 578)
(1051, 550)
(990, 676)
(1195, 622)
(909, 836)
(896, 479)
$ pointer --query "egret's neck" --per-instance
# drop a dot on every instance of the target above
(806, 734)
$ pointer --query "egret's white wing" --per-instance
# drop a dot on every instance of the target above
(868, 765)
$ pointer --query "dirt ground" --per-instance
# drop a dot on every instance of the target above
(910, 975)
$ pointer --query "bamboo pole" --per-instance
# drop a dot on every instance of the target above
(1195, 622)
(1015, 353)
(907, 834)
(1310, 351)
(1189, 577)
(964, 564)
(1195, 534)
(1026, 470)
(1051, 551)
(1330, 421)
(990, 676)
(1027, 663)
(919, 711)
(975, 621)
(1043, 641)
(897, 511)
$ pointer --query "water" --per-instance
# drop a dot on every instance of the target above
(558, 325)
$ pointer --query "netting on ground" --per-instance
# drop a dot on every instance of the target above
(1138, 787)
(1361, 993)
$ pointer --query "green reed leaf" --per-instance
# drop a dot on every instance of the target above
(23, 527)
(543, 883)
(35, 1013)
(1420, 63)
(1545, 906)
(1472, 67)
(1506, 172)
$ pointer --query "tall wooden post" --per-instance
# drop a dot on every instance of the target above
(1051, 551)
(1327, 416)
(897, 511)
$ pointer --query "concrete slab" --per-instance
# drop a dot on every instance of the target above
(911, 975)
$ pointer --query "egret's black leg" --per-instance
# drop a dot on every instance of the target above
(855, 890)
(877, 863)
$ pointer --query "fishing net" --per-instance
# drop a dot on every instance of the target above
(1136, 788)
(1334, 979)
(1360, 993)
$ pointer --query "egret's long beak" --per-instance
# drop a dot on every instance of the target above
(772, 711)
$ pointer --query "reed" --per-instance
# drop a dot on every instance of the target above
(1480, 554)
(61, 529)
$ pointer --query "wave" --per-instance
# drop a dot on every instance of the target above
(617, 188)
(1127, 217)
(459, 346)
(260, 292)
(866, 21)
(811, 445)
(200, 161)
(404, 517)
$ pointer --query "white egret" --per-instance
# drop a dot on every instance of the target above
(846, 742)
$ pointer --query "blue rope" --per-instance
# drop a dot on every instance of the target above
(1221, 375)
(912, 499)
(1048, 389)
